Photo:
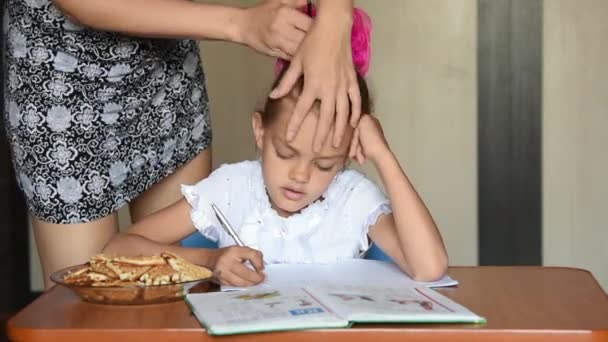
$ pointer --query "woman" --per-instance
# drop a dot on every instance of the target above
(107, 104)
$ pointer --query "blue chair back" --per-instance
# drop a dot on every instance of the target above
(197, 240)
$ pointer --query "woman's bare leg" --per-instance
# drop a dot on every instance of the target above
(167, 191)
(64, 245)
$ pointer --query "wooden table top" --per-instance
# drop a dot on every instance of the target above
(520, 303)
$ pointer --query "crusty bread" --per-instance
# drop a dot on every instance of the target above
(166, 268)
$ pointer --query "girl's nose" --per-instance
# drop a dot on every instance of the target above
(300, 172)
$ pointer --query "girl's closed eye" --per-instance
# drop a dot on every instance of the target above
(284, 154)
(325, 167)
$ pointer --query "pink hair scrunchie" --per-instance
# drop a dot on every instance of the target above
(360, 41)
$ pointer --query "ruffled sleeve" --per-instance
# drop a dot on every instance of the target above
(365, 205)
(218, 188)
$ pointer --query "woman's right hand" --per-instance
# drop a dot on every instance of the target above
(229, 266)
(274, 27)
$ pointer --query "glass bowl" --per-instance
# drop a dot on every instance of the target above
(131, 294)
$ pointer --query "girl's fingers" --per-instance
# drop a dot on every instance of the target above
(234, 277)
(360, 155)
(255, 257)
(229, 278)
(247, 274)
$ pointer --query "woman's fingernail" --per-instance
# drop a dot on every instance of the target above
(273, 93)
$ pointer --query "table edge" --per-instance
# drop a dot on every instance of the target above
(570, 268)
(26, 334)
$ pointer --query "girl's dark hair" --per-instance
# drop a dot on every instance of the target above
(272, 106)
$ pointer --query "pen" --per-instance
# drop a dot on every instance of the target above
(226, 225)
(228, 228)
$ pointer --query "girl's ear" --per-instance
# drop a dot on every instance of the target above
(258, 129)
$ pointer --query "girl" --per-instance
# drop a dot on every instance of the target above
(297, 205)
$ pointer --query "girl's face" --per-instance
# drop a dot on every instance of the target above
(294, 175)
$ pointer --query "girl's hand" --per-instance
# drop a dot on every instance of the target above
(325, 59)
(274, 27)
(368, 141)
(229, 268)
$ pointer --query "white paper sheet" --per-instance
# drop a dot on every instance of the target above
(355, 272)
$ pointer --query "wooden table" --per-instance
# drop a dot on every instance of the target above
(520, 304)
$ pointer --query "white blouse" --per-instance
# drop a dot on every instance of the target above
(330, 229)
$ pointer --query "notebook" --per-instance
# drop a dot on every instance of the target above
(316, 307)
(343, 273)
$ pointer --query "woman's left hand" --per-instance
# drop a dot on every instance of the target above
(325, 59)
(368, 141)
(274, 27)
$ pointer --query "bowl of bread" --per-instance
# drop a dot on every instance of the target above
(131, 280)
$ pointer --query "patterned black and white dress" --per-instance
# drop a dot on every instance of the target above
(96, 118)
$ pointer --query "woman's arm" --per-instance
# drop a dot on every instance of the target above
(325, 60)
(266, 27)
(409, 235)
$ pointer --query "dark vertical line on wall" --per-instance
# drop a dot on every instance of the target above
(509, 131)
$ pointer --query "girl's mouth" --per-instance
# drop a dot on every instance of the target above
(292, 195)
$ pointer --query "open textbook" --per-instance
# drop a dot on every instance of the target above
(343, 273)
(315, 307)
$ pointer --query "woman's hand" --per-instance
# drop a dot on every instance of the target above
(229, 266)
(274, 27)
(325, 60)
(368, 141)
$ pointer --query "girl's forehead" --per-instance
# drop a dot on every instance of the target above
(285, 114)
(304, 139)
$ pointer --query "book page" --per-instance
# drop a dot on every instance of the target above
(261, 310)
(386, 304)
(345, 273)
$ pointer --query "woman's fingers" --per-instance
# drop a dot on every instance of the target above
(354, 144)
(300, 111)
(341, 117)
(354, 95)
(288, 81)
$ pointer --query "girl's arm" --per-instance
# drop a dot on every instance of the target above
(163, 230)
(266, 27)
(409, 235)
(160, 232)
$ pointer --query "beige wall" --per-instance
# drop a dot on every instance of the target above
(424, 79)
(575, 135)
